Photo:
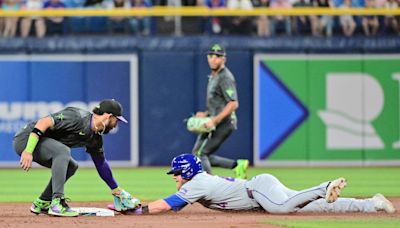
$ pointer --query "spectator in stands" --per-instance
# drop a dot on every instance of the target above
(305, 24)
(93, 4)
(391, 23)
(347, 22)
(75, 24)
(213, 25)
(280, 21)
(140, 25)
(380, 3)
(1, 21)
(10, 23)
(95, 25)
(263, 20)
(74, 3)
(54, 25)
(189, 2)
(241, 25)
(370, 23)
(118, 24)
(324, 22)
(26, 23)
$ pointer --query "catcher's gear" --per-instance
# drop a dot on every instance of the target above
(198, 125)
(186, 165)
(123, 200)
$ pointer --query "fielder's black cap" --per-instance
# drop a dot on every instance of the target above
(113, 107)
(217, 49)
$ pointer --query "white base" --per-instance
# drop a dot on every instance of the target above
(93, 211)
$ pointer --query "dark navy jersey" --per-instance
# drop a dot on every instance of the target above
(72, 128)
(221, 89)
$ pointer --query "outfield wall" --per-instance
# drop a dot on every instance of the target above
(161, 82)
(326, 109)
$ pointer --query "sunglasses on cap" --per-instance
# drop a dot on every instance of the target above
(210, 56)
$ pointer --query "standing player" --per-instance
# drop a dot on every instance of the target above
(222, 101)
(48, 142)
(263, 192)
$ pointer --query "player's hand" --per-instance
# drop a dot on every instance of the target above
(201, 114)
(210, 124)
(123, 200)
(26, 161)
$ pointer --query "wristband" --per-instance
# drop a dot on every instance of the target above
(31, 144)
(37, 132)
(145, 209)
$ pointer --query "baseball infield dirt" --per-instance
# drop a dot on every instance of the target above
(18, 215)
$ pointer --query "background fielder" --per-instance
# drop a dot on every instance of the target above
(222, 101)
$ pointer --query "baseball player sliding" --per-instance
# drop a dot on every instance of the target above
(263, 192)
(48, 142)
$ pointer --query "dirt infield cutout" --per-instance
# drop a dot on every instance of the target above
(18, 215)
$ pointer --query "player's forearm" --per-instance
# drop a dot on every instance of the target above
(38, 131)
(228, 109)
(158, 206)
(104, 170)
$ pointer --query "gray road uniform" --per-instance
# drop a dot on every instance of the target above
(72, 128)
(261, 192)
(221, 89)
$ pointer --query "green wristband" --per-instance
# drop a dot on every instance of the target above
(31, 145)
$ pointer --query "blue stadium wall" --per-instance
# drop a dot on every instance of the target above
(172, 78)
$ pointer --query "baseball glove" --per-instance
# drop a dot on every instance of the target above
(198, 125)
(124, 201)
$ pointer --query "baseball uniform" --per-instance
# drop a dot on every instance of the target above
(261, 192)
(221, 89)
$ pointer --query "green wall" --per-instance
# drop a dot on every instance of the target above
(314, 81)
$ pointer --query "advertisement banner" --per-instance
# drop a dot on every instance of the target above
(326, 110)
(34, 86)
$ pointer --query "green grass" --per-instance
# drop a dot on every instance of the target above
(153, 183)
(343, 222)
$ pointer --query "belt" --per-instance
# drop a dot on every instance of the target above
(250, 193)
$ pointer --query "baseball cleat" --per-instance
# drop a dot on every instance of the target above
(241, 168)
(40, 206)
(334, 188)
(383, 204)
(59, 207)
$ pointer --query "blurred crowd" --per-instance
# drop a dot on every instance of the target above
(324, 25)
(48, 26)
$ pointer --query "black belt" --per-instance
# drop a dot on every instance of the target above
(250, 193)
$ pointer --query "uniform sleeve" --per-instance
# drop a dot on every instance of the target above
(65, 120)
(175, 202)
(192, 192)
(228, 89)
(104, 170)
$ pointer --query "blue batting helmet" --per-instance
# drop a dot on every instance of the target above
(186, 165)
